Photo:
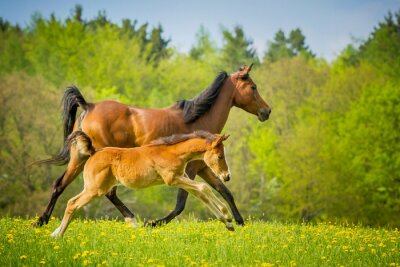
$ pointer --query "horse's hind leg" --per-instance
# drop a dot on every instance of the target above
(73, 204)
(75, 167)
(129, 216)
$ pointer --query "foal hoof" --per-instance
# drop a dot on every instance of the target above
(131, 222)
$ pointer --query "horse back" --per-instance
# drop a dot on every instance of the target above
(113, 124)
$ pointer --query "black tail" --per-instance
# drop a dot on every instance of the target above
(72, 99)
(84, 148)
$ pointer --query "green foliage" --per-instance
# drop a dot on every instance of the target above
(237, 49)
(285, 47)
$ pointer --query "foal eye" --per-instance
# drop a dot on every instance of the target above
(244, 77)
(220, 157)
(254, 87)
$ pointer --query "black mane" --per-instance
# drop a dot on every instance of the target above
(177, 138)
(193, 109)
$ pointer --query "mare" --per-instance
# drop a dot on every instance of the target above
(114, 124)
(161, 162)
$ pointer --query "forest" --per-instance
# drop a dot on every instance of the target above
(329, 152)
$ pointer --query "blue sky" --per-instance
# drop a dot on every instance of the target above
(328, 25)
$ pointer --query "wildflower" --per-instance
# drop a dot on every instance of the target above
(42, 261)
(86, 262)
(266, 264)
(23, 257)
(56, 247)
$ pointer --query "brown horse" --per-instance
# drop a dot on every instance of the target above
(162, 162)
(110, 123)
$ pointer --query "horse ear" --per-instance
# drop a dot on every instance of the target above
(249, 68)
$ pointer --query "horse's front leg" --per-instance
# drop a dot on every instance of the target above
(130, 218)
(208, 176)
(191, 170)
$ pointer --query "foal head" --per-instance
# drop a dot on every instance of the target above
(246, 95)
(214, 157)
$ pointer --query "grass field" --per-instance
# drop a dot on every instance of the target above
(194, 243)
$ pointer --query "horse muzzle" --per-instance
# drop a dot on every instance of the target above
(263, 114)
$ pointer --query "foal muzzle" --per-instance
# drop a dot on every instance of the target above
(225, 177)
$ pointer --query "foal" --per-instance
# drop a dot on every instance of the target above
(161, 162)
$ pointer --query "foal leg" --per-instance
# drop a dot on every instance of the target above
(208, 176)
(75, 167)
(74, 203)
(191, 170)
(203, 192)
(130, 218)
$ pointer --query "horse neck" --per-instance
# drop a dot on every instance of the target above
(215, 118)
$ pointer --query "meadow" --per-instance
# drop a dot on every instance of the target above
(196, 243)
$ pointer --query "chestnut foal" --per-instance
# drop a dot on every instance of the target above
(161, 162)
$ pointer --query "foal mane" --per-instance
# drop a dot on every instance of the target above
(177, 138)
(193, 109)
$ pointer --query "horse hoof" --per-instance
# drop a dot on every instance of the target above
(149, 223)
(37, 224)
(229, 226)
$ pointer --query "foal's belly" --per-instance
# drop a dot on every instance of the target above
(141, 180)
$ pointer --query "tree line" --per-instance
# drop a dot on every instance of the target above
(330, 150)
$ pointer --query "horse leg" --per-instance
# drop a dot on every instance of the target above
(75, 166)
(191, 170)
(203, 192)
(208, 176)
(73, 204)
(130, 218)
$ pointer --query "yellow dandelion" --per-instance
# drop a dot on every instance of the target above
(150, 260)
(56, 247)
(23, 257)
(42, 261)
(266, 264)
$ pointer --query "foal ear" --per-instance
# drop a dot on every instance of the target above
(218, 140)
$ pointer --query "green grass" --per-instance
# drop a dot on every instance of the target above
(194, 243)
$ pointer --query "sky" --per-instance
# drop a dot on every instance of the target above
(329, 25)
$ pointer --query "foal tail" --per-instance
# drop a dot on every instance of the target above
(71, 100)
(82, 142)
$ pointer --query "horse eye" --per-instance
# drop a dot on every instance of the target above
(244, 77)
(254, 87)
(220, 157)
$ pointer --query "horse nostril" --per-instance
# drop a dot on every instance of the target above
(227, 178)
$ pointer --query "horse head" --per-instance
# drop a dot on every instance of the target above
(246, 95)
